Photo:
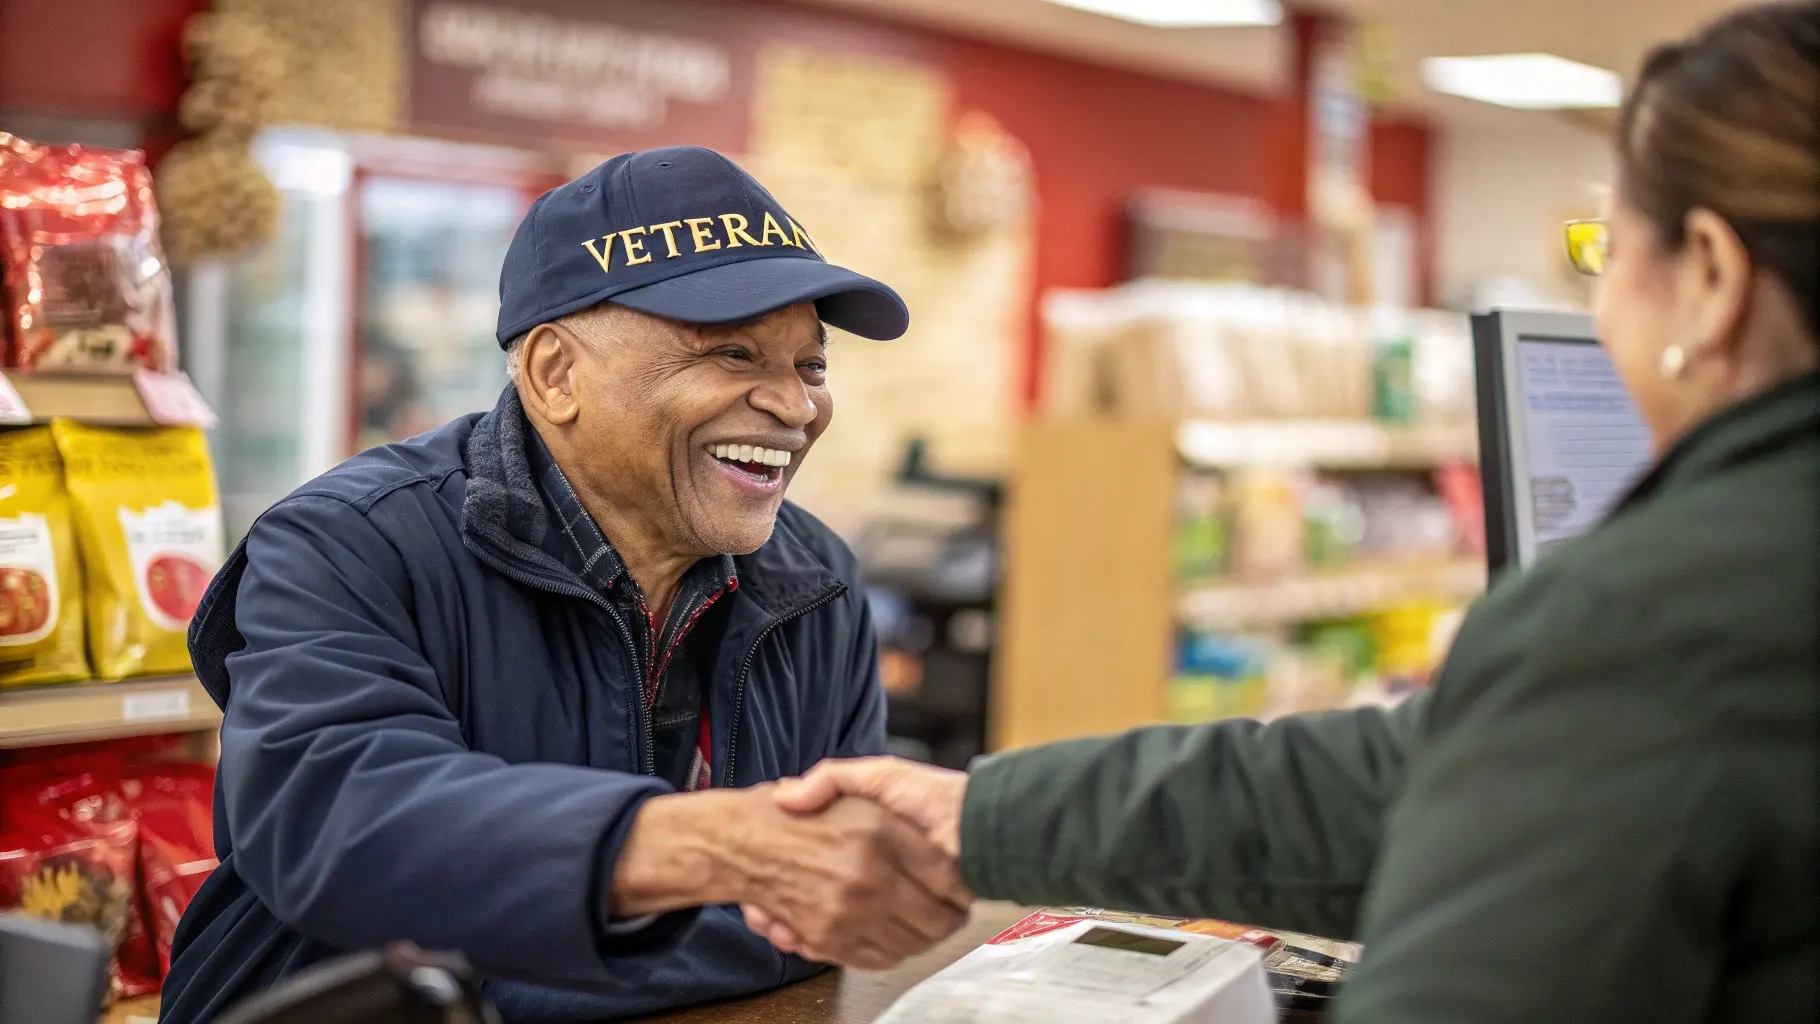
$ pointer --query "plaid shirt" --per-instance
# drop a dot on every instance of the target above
(674, 661)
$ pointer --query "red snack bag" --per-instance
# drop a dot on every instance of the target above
(1269, 942)
(104, 757)
(69, 852)
(86, 284)
(1039, 923)
(175, 806)
(1460, 488)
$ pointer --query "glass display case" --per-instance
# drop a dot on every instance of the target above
(430, 256)
(369, 318)
(265, 334)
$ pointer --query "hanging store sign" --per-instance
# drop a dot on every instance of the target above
(621, 72)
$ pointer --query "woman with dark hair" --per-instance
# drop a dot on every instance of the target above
(1605, 810)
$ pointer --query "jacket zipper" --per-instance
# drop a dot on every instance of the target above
(648, 762)
(648, 758)
(745, 669)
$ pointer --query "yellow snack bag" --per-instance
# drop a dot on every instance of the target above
(149, 523)
(40, 574)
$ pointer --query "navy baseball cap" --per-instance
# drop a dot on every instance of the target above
(681, 233)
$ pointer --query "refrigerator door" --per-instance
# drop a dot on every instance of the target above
(266, 334)
(429, 258)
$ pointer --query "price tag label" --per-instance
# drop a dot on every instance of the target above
(12, 407)
(172, 400)
(158, 705)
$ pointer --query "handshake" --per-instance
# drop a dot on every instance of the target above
(854, 864)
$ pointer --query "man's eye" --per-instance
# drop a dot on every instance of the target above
(735, 353)
(815, 367)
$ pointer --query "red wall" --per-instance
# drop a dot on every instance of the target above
(1095, 134)
(98, 58)
(1400, 162)
(1098, 134)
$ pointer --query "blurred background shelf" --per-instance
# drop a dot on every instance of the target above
(79, 712)
(1103, 620)
(1328, 444)
(132, 1011)
(930, 557)
(1344, 593)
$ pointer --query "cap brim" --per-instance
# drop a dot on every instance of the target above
(734, 292)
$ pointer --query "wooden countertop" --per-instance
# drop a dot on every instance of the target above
(852, 997)
(835, 997)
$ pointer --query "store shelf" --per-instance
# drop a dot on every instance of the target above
(132, 1011)
(1239, 606)
(40, 716)
(1328, 444)
(108, 399)
(1092, 590)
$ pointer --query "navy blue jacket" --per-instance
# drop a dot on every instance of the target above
(434, 731)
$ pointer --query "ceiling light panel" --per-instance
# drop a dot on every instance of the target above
(1184, 13)
(1525, 81)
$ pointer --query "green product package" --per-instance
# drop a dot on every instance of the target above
(1200, 548)
(1393, 368)
(1393, 397)
(1350, 640)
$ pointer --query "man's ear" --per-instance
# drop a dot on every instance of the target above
(546, 373)
(1717, 269)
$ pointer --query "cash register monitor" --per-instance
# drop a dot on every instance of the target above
(1560, 442)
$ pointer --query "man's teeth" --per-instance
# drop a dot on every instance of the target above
(751, 453)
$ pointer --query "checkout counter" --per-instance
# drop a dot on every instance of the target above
(834, 997)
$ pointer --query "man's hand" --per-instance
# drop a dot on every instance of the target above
(930, 798)
(853, 883)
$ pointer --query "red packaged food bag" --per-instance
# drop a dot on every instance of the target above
(103, 756)
(1460, 488)
(69, 853)
(86, 284)
(174, 804)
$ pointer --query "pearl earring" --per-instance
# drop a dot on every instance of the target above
(1674, 360)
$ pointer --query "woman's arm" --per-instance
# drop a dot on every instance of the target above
(1277, 825)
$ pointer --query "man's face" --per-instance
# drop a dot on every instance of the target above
(698, 430)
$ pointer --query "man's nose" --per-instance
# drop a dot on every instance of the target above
(787, 398)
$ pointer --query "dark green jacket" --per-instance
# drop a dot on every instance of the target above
(1605, 810)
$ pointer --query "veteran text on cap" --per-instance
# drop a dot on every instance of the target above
(681, 233)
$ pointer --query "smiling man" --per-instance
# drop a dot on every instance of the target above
(516, 687)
